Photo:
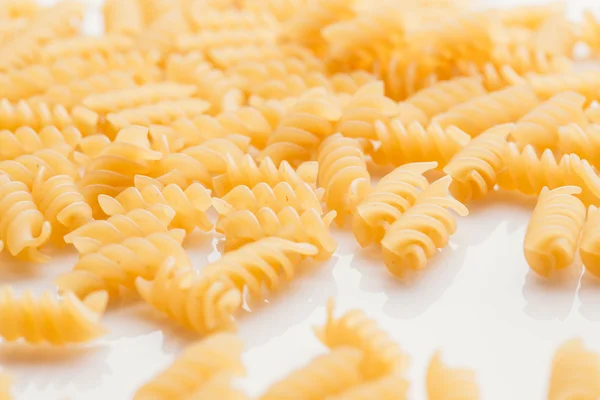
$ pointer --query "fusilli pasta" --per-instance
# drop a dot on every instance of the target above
(581, 139)
(589, 246)
(575, 372)
(26, 140)
(444, 383)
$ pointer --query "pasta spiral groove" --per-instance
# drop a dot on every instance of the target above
(26, 140)
(589, 245)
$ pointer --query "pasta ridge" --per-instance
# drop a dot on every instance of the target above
(444, 383)
(25, 140)
(581, 139)
(588, 247)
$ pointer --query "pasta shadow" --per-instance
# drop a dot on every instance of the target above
(589, 296)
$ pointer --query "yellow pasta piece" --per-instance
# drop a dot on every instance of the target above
(393, 195)
(444, 383)
(588, 247)
(23, 227)
(389, 387)
(575, 372)
(530, 16)
(556, 35)
(203, 304)
(84, 46)
(164, 30)
(219, 387)
(119, 264)
(26, 140)
(494, 75)
(406, 74)
(474, 169)
(283, 10)
(423, 229)
(343, 174)
(553, 232)
(539, 127)
(529, 173)
(581, 139)
(401, 144)
(46, 319)
(585, 82)
(481, 113)
(19, 8)
(194, 368)
(354, 329)
(123, 17)
(5, 386)
(212, 19)
(325, 376)
(205, 41)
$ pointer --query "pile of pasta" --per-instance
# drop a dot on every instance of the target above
(265, 123)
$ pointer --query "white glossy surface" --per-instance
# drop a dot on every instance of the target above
(477, 301)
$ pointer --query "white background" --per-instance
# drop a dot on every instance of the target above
(477, 302)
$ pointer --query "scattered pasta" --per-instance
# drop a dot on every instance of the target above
(575, 372)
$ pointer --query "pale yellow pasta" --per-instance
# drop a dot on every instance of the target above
(585, 82)
(423, 229)
(23, 228)
(46, 319)
(190, 204)
(575, 372)
(539, 127)
(591, 31)
(382, 356)
(26, 140)
(5, 386)
(529, 173)
(389, 387)
(581, 139)
(494, 76)
(554, 228)
(230, 56)
(530, 16)
(474, 169)
(406, 75)
(200, 303)
(557, 35)
(210, 19)
(123, 17)
(281, 9)
(589, 247)
(325, 376)
(119, 264)
(395, 193)
(525, 60)
(219, 387)
(402, 144)
(19, 8)
(198, 363)
(205, 41)
(445, 383)
(481, 113)
(164, 30)
(84, 46)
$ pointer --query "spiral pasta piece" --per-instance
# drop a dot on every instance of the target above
(539, 127)
(401, 144)
(354, 329)
(395, 193)
(123, 17)
(219, 387)
(200, 303)
(389, 387)
(343, 173)
(5, 386)
(586, 82)
(46, 319)
(190, 205)
(529, 173)
(525, 59)
(119, 264)
(589, 247)
(474, 169)
(554, 229)
(581, 139)
(423, 229)
(444, 383)
(530, 16)
(84, 46)
(481, 113)
(23, 228)
(325, 376)
(575, 372)
(195, 367)
(26, 140)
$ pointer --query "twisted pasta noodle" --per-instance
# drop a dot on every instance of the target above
(351, 82)
(524, 59)
(200, 303)
(585, 82)
(483, 112)
(247, 172)
(83, 46)
(590, 34)
(325, 376)
(219, 387)
(283, 10)
(405, 77)
(575, 372)
(588, 247)
(343, 173)
(205, 41)
(528, 173)
(539, 127)
(46, 319)
(444, 383)
(554, 229)
(190, 205)
(354, 329)
(119, 264)
(199, 362)
(123, 17)
(392, 195)
(556, 36)
(211, 19)
(423, 229)
(530, 16)
(401, 144)
(162, 33)
(25, 168)
(229, 56)
(5, 386)
(26, 140)
(474, 169)
(581, 139)
(389, 387)
(494, 77)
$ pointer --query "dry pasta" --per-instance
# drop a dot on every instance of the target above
(444, 383)
(219, 387)
(553, 232)
(25, 140)
(424, 228)
(123, 17)
(199, 362)
(48, 320)
(585, 82)
(389, 387)
(581, 139)
(5, 386)
(530, 16)
(83, 46)
(575, 372)
(588, 247)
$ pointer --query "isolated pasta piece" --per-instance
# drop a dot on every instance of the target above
(445, 383)
(481, 113)
(474, 169)
(23, 228)
(46, 319)
(343, 174)
(26, 140)
(389, 387)
(190, 205)
(203, 304)
(575, 372)
(581, 139)
(423, 229)
(554, 229)
(539, 127)
(123, 17)
(25, 168)
(325, 376)
(119, 264)
(589, 247)
(195, 367)
(529, 173)
(395, 193)
(382, 356)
